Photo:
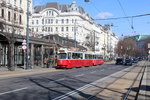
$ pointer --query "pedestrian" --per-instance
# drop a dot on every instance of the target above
(46, 62)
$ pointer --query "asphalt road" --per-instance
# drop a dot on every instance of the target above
(54, 85)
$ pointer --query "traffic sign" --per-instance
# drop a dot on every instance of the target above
(24, 47)
(24, 42)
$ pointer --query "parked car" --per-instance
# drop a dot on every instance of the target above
(134, 60)
(128, 61)
(119, 61)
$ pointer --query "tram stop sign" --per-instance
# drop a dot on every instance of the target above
(24, 47)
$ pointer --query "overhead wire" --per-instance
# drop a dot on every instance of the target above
(116, 18)
(126, 15)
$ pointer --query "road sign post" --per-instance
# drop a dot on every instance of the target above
(24, 47)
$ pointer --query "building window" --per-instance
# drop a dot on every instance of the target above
(47, 13)
(56, 20)
(20, 19)
(62, 21)
(8, 15)
(56, 29)
(42, 21)
(37, 21)
(51, 29)
(32, 22)
(67, 20)
(2, 13)
(51, 21)
(72, 29)
(15, 17)
(72, 20)
(32, 29)
(37, 29)
(62, 29)
(52, 13)
(67, 29)
(48, 29)
(45, 29)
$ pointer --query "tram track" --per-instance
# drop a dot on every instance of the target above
(139, 75)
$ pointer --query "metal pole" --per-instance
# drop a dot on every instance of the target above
(24, 53)
(104, 45)
(27, 36)
(94, 41)
(75, 45)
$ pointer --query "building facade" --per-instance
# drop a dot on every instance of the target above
(72, 22)
(52, 26)
(12, 22)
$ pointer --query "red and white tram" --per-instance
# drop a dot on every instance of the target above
(72, 59)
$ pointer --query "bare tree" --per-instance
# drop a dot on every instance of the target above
(126, 47)
(145, 46)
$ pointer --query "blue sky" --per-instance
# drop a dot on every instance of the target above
(103, 9)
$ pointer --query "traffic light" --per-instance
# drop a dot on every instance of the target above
(86, 0)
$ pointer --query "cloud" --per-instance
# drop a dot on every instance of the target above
(104, 15)
(37, 2)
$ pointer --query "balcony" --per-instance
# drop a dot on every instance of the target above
(9, 6)
(15, 8)
(20, 10)
(3, 3)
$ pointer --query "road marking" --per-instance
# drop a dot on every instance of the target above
(79, 75)
(93, 72)
(87, 86)
(13, 91)
(57, 80)
(61, 79)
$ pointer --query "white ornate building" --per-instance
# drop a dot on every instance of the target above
(13, 16)
(69, 21)
(13, 22)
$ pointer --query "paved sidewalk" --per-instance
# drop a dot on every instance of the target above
(144, 93)
(4, 73)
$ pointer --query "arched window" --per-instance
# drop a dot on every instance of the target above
(20, 19)
(3, 13)
(15, 17)
(67, 20)
(8, 15)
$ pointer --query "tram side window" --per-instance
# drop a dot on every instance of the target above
(62, 56)
(80, 56)
(77, 56)
(74, 56)
(87, 56)
(91, 57)
(69, 55)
